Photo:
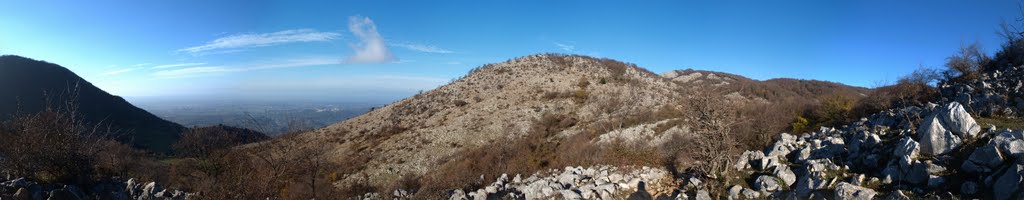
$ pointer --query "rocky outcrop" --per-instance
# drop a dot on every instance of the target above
(947, 156)
(114, 189)
(599, 182)
(945, 129)
(998, 92)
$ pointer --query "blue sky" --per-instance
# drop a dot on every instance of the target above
(391, 49)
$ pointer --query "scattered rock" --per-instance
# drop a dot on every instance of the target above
(766, 183)
(702, 195)
(849, 191)
(897, 195)
(786, 174)
(750, 194)
(983, 160)
(114, 189)
(734, 191)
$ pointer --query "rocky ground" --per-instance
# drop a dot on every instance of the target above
(116, 189)
(596, 182)
(936, 151)
(998, 92)
(946, 156)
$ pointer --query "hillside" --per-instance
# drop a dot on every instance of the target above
(600, 100)
(492, 103)
(29, 86)
(771, 90)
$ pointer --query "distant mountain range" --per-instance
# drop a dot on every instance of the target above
(271, 118)
(29, 86)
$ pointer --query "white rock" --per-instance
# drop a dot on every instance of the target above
(786, 174)
(750, 194)
(766, 183)
(958, 121)
(935, 139)
(849, 191)
(907, 148)
(491, 189)
(702, 195)
(734, 191)
(458, 195)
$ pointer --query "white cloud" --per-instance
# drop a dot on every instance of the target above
(566, 47)
(190, 72)
(141, 64)
(400, 61)
(371, 47)
(211, 70)
(422, 48)
(116, 72)
(177, 65)
(304, 62)
(262, 39)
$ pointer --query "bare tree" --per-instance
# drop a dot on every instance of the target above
(711, 118)
(54, 144)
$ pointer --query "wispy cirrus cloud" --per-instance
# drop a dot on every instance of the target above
(121, 71)
(177, 65)
(196, 70)
(190, 72)
(571, 48)
(240, 41)
(566, 47)
(371, 47)
(422, 48)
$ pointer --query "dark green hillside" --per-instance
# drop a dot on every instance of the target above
(29, 86)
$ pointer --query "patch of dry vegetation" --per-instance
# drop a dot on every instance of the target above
(56, 145)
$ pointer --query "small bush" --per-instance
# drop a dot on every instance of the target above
(967, 64)
(801, 125)
(460, 103)
(914, 89)
(580, 96)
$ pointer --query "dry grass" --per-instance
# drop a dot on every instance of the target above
(1001, 123)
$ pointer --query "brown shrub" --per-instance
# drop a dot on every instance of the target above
(201, 142)
(460, 103)
(56, 145)
(967, 64)
(913, 89)
(286, 168)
